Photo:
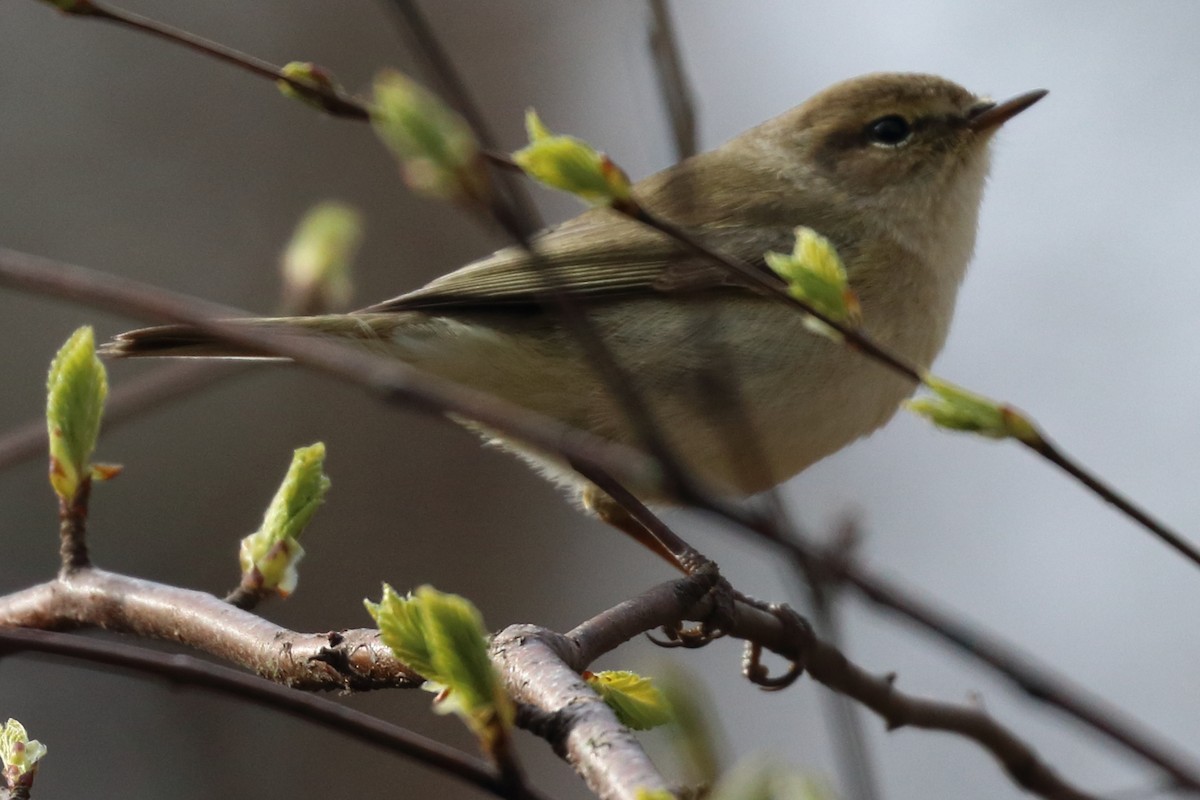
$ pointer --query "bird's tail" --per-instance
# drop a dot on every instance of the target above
(185, 341)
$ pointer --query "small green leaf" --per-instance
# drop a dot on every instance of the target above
(402, 629)
(636, 700)
(815, 274)
(955, 408)
(316, 264)
(437, 150)
(269, 556)
(441, 636)
(572, 165)
(19, 755)
(75, 393)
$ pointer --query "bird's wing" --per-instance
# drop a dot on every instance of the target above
(596, 255)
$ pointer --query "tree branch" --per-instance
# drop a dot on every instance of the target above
(94, 598)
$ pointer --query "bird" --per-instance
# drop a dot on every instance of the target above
(889, 167)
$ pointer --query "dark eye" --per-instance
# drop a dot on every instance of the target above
(889, 131)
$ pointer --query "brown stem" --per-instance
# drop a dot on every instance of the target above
(72, 529)
(1034, 679)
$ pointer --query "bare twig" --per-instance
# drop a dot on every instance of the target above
(357, 660)
(1045, 448)
(673, 82)
(329, 99)
(185, 670)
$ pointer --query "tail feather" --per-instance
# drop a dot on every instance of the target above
(170, 341)
(185, 341)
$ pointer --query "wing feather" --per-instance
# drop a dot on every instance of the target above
(633, 260)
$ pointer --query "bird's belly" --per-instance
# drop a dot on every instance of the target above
(744, 395)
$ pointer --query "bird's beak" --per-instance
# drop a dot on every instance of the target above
(987, 116)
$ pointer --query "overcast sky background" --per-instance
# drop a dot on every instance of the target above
(125, 154)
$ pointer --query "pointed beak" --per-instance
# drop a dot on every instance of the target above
(987, 116)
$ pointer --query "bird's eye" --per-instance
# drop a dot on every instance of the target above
(890, 131)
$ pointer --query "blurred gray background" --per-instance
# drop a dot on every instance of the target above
(125, 154)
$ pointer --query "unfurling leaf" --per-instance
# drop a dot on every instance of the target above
(955, 408)
(441, 636)
(75, 393)
(572, 165)
(437, 150)
(19, 756)
(636, 700)
(269, 556)
(814, 273)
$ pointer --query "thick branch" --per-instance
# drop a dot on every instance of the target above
(536, 666)
(93, 598)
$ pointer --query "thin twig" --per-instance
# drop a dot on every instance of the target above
(185, 670)
(856, 767)
(329, 99)
(673, 83)
(1049, 451)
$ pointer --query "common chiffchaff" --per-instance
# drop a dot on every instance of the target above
(889, 167)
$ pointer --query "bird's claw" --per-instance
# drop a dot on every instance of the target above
(753, 668)
(707, 585)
